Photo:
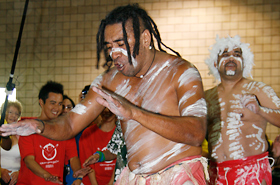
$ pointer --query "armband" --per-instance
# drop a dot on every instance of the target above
(101, 156)
(43, 125)
(80, 178)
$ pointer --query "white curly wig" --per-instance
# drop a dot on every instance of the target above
(230, 43)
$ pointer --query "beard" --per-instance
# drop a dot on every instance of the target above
(230, 73)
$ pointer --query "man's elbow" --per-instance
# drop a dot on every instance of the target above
(196, 138)
(28, 161)
(199, 139)
(199, 134)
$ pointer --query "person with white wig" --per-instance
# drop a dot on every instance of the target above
(238, 110)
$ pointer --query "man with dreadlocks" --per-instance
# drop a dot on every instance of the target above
(158, 98)
(238, 112)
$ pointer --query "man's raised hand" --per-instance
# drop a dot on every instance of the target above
(22, 128)
(115, 103)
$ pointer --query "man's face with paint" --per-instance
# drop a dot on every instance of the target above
(230, 63)
(115, 46)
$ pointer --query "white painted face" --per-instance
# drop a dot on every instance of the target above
(226, 57)
(230, 72)
(115, 46)
(124, 52)
(230, 43)
(231, 56)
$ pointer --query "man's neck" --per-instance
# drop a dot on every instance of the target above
(228, 84)
(43, 117)
(107, 126)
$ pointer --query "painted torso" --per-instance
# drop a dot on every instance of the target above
(149, 152)
(229, 137)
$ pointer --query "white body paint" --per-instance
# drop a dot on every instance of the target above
(146, 166)
(197, 109)
(234, 133)
(79, 109)
(188, 76)
(231, 136)
(258, 137)
(271, 94)
(97, 81)
(230, 73)
(231, 56)
(148, 90)
(187, 95)
(124, 52)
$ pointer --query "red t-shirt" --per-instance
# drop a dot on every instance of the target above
(49, 154)
(94, 139)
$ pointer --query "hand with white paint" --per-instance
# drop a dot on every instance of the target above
(115, 103)
(22, 128)
(250, 102)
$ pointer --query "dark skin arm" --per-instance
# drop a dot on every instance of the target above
(6, 143)
(76, 167)
(39, 171)
(182, 129)
(95, 157)
(61, 128)
(111, 182)
(92, 178)
(260, 103)
(64, 127)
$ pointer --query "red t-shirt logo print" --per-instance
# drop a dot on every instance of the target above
(49, 151)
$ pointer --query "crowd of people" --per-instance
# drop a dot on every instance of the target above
(143, 120)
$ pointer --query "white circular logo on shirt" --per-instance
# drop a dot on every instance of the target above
(49, 151)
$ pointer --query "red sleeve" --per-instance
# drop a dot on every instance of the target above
(85, 147)
(26, 146)
(70, 149)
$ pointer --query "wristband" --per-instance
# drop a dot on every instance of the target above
(101, 156)
(43, 125)
(80, 178)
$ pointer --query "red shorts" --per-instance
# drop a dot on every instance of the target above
(248, 170)
(189, 169)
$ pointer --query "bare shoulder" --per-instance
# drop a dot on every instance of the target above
(255, 87)
(264, 93)
(182, 64)
(173, 60)
(106, 78)
(183, 69)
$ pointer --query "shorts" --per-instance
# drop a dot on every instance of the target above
(248, 170)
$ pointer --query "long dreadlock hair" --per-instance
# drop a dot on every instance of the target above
(121, 15)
